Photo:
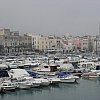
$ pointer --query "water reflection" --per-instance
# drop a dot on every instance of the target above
(60, 91)
(91, 79)
(38, 90)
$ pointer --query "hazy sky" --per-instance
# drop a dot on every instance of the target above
(79, 17)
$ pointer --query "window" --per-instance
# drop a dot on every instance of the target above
(84, 65)
(5, 44)
(4, 84)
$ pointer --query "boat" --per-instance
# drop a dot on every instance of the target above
(24, 84)
(87, 66)
(29, 62)
(44, 81)
(94, 73)
(66, 77)
(8, 86)
(18, 73)
(54, 80)
(91, 75)
(34, 83)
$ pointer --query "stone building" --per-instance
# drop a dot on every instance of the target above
(87, 43)
(13, 42)
(97, 44)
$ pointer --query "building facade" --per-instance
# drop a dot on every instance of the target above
(13, 42)
(16, 43)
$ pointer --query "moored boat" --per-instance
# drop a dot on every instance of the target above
(8, 86)
(67, 77)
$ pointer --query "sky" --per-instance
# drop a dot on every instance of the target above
(56, 17)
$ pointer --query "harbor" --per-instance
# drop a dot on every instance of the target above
(49, 50)
(39, 75)
(85, 90)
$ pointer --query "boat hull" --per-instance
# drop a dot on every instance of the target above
(8, 88)
(24, 86)
(64, 80)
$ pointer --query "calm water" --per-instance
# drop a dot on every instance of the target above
(85, 90)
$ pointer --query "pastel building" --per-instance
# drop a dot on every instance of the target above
(40, 42)
(77, 43)
(87, 43)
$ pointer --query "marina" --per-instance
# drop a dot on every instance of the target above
(42, 77)
(49, 50)
(84, 90)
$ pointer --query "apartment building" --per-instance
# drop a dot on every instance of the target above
(87, 43)
(46, 43)
(13, 42)
(40, 42)
(97, 43)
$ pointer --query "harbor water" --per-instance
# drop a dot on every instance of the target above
(84, 90)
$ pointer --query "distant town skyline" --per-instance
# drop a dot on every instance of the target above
(51, 17)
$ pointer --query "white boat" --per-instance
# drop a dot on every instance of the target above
(24, 84)
(18, 73)
(87, 65)
(44, 81)
(24, 78)
(91, 75)
(34, 83)
(54, 80)
(69, 79)
(66, 67)
(29, 62)
(8, 86)
(3, 65)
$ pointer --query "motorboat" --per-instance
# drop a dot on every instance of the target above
(94, 73)
(24, 84)
(44, 81)
(54, 80)
(90, 75)
(8, 86)
(87, 66)
(67, 77)
(34, 83)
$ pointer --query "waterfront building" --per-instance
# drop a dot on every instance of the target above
(40, 42)
(97, 44)
(55, 43)
(5, 31)
(13, 42)
(77, 43)
(68, 44)
(25, 44)
(84, 44)
(46, 43)
(87, 43)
